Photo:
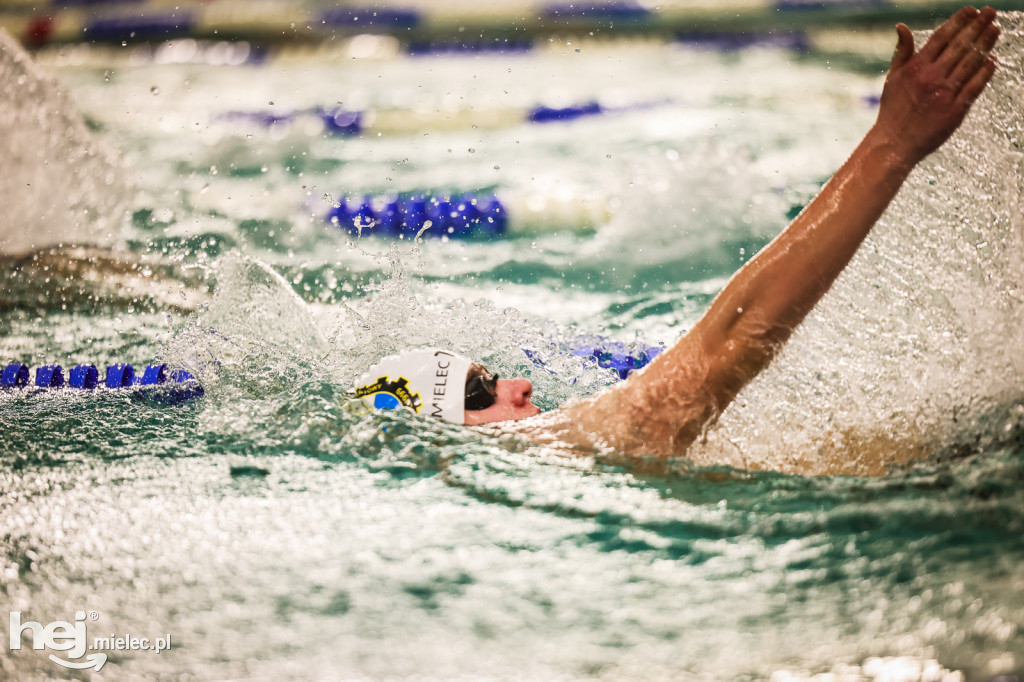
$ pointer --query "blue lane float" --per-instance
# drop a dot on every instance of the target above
(50, 376)
(177, 25)
(264, 119)
(370, 18)
(611, 10)
(730, 41)
(14, 376)
(621, 358)
(84, 377)
(120, 375)
(340, 122)
(469, 215)
(818, 5)
(498, 46)
(561, 114)
(154, 374)
(156, 383)
(336, 121)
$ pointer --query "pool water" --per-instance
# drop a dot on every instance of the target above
(857, 512)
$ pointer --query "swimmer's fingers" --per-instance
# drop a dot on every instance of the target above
(947, 32)
(977, 83)
(966, 42)
(904, 47)
(975, 58)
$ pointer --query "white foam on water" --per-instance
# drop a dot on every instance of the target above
(255, 326)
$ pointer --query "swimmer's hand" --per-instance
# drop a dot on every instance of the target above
(927, 94)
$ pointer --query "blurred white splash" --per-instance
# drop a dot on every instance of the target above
(59, 185)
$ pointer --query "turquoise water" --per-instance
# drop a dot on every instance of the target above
(276, 533)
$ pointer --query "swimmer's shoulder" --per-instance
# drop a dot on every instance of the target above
(583, 426)
(660, 411)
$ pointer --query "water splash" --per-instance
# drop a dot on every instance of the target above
(916, 347)
(403, 312)
(60, 185)
(255, 328)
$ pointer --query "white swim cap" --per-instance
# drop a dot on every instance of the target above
(430, 381)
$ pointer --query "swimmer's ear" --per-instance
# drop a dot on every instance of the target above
(904, 47)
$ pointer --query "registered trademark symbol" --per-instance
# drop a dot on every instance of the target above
(93, 615)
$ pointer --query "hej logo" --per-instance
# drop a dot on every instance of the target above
(73, 638)
(59, 635)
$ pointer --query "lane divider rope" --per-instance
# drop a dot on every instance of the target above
(457, 216)
(155, 382)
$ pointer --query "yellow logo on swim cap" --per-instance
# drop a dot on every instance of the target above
(390, 394)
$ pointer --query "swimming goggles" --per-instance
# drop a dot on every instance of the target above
(481, 388)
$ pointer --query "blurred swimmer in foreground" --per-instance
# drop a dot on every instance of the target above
(663, 408)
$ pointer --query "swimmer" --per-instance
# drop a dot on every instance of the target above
(662, 409)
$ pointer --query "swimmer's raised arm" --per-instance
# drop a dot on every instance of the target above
(662, 409)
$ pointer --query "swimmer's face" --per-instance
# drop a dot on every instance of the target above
(505, 399)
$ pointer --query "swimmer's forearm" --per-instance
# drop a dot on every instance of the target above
(766, 299)
(780, 285)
